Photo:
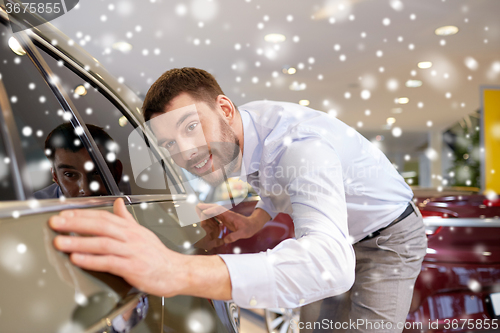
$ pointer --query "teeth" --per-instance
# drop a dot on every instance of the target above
(201, 164)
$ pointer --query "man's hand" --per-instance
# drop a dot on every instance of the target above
(212, 238)
(121, 246)
(240, 225)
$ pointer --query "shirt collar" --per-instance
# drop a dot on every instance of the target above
(252, 146)
(59, 192)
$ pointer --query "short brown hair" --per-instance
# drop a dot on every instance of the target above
(199, 84)
(64, 137)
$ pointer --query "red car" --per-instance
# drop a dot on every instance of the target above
(458, 289)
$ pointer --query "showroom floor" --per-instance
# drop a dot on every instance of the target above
(252, 321)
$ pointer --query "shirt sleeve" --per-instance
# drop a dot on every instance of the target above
(320, 262)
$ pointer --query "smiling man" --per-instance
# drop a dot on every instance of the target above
(359, 240)
(209, 154)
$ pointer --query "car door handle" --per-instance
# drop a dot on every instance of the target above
(124, 317)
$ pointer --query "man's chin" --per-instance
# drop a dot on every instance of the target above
(212, 180)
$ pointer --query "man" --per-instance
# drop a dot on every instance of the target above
(338, 188)
(73, 171)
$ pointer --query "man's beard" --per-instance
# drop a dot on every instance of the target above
(226, 152)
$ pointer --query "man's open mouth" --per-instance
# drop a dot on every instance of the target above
(204, 165)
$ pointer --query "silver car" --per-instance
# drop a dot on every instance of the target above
(57, 103)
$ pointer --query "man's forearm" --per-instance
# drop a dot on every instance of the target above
(204, 276)
(208, 276)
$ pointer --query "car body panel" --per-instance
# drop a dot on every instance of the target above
(41, 288)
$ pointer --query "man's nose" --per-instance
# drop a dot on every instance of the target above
(188, 149)
(84, 188)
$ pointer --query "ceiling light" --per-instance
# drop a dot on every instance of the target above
(424, 64)
(402, 100)
(397, 110)
(16, 47)
(391, 121)
(413, 83)
(304, 102)
(446, 30)
(291, 70)
(298, 86)
(80, 90)
(274, 38)
(122, 46)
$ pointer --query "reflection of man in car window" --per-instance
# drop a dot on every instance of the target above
(73, 170)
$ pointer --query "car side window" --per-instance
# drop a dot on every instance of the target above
(54, 161)
(98, 111)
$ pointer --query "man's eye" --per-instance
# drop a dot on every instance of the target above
(169, 144)
(69, 174)
(192, 126)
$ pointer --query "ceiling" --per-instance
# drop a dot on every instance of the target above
(379, 43)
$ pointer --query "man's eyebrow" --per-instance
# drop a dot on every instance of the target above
(66, 166)
(179, 123)
(184, 117)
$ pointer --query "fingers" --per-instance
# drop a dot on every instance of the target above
(105, 263)
(233, 237)
(88, 226)
(200, 214)
(216, 243)
(91, 245)
(214, 210)
(203, 205)
(120, 210)
(209, 225)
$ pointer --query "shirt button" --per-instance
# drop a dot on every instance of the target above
(253, 302)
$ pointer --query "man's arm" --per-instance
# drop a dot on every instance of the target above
(320, 262)
(122, 247)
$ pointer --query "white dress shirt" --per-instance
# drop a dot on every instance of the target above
(337, 187)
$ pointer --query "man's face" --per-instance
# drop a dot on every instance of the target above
(198, 138)
(74, 175)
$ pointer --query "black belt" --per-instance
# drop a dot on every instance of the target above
(405, 214)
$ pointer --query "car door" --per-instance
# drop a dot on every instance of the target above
(41, 290)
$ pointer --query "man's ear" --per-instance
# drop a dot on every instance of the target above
(54, 175)
(227, 107)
